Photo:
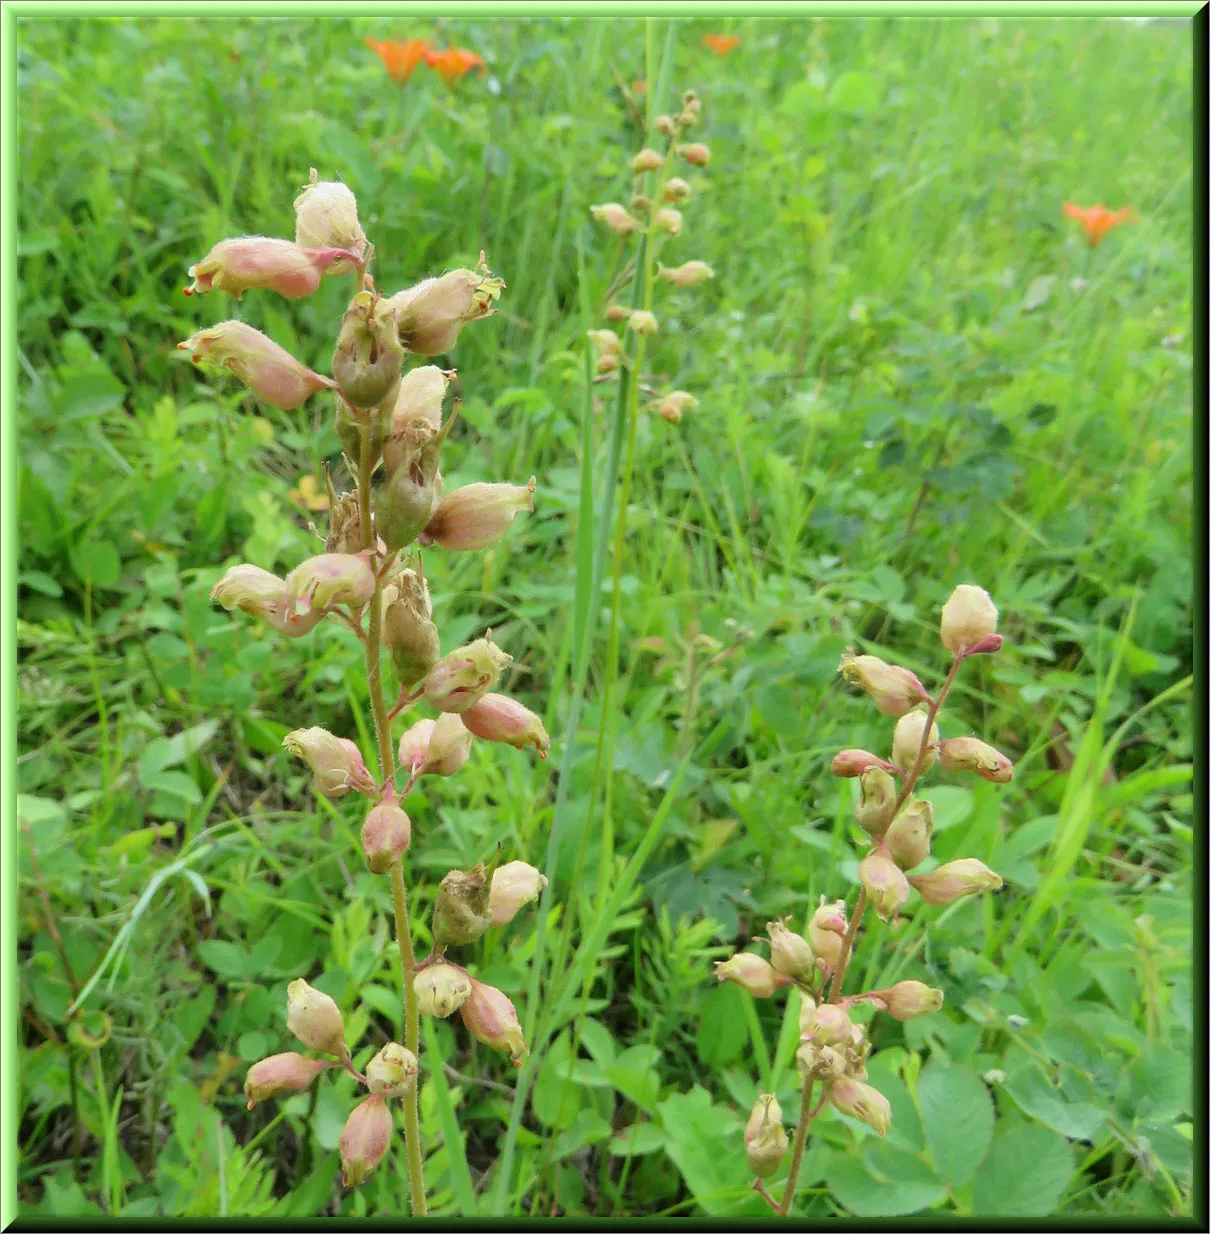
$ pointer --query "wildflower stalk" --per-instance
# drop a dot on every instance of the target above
(800, 1144)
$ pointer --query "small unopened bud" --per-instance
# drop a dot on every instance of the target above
(496, 717)
(828, 1024)
(754, 974)
(643, 322)
(414, 745)
(514, 885)
(269, 371)
(824, 1062)
(490, 1017)
(441, 989)
(392, 1071)
(616, 217)
(408, 631)
(850, 763)
(826, 931)
(908, 837)
(884, 883)
(261, 594)
(677, 189)
(862, 1101)
(674, 405)
(765, 1137)
(665, 125)
(646, 160)
(336, 761)
(906, 1000)
(477, 515)
(806, 1009)
(419, 399)
(369, 356)
(281, 1073)
(385, 835)
(967, 876)
(365, 1139)
(909, 738)
(876, 805)
(640, 202)
(255, 262)
(694, 152)
(607, 342)
(971, 754)
(606, 364)
(617, 312)
(412, 489)
(314, 1019)
(790, 953)
(431, 314)
(669, 220)
(968, 617)
(895, 690)
(325, 216)
(687, 275)
(460, 679)
(462, 909)
(449, 746)
(330, 578)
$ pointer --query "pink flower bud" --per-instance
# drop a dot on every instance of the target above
(421, 393)
(459, 680)
(646, 160)
(607, 342)
(431, 314)
(967, 617)
(336, 761)
(365, 1139)
(862, 1101)
(449, 746)
(251, 262)
(640, 202)
(441, 989)
(674, 405)
(971, 754)
(687, 275)
(989, 644)
(694, 152)
(884, 882)
(325, 216)
(392, 1071)
(642, 322)
(269, 371)
(908, 837)
(385, 834)
(261, 594)
(414, 746)
(669, 220)
(965, 877)
(314, 1019)
(895, 690)
(330, 578)
(677, 189)
(499, 718)
(790, 953)
(281, 1073)
(616, 312)
(906, 1000)
(826, 931)
(764, 1137)
(876, 806)
(828, 1024)
(615, 216)
(514, 885)
(491, 1018)
(909, 738)
(850, 763)
(477, 515)
(754, 974)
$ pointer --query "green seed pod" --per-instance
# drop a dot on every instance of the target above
(369, 357)
(462, 911)
(407, 627)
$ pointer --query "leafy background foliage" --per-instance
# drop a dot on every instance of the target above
(901, 389)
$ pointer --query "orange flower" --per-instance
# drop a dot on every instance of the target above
(639, 87)
(400, 59)
(721, 44)
(1097, 220)
(453, 63)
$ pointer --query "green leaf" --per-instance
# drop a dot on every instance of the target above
(1160, 1083)
(1025, 1174)
(176, 784)
(96, 562)
(634, 1075)
(854, 92)
(865, 1196)
(722, 1031)
(637, 1139)
(706, 1144)
(1029, 1087)
(168, 751)
(958, 1120)
(226, 959)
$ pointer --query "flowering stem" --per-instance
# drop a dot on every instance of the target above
(800, 1143)
(846, 947)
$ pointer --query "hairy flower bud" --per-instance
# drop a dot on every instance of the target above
(755, 974)
(895, 690)
(906, 1000)
(694, 152)
(968, 617)
(414, 746)
(325, 216)
(790, 953)
(640, 202)
(642, 322)
(674, 405)
(408, 631)
(765, 1137)
(965, 877)
(862, 1101)
(514, 885)
(876, 805)
(971, 754)
(365, 1139)
(392, 1071)
(462, 910)
(615, 216)
(884, 883)
(281, 1073)
(460, 679)
(260, 594)
(441, 989)
(336, 761)
(477, 515)
(677, 189)
(421, 393)
(909, 737)
(646, 160)
(368, 358)
(908, 837)
(330, 578)
(269, 371)
(669, 220)
(251, 262)
(431, 314)
(850, 763)
(496, 717)
(616, 312)
(409, 496)
(828, 1024)
(314, 1019)
(826, 931)
(824, 1062)
(490, 1017)
(607, 342)
(665, 125)
(687, 275)
(385, 834)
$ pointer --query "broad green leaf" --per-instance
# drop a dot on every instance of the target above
(1024, 1174)
(637, 1139)
(866, 1196)
(958, 1120)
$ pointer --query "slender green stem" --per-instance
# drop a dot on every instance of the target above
(846, 948)
(800, 1143)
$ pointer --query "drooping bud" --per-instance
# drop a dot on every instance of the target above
(616, 217)
(260, 594)
(908, 837)
(490, 1017)
(616, 312)
(669, 220)
(431, 314)
(449, 746)
(330, 578)
(754, 974)
(462, 909)
(368, 358)
(694, 152)
(876, 805)
(677, 189)
(790, 953)
(906, 1000)
(460, 679)
(336, 761)
(421, 393)
(895, 690)
(514, 885)
(642, 322)
(971, 754)
(968, 617)
(607, 342)
(477, 515)
(365, 1139)
(392, 1071)
(314, 1019)
(765, 1137)
(967, 876)
(909, 738)
(441, 989)
(496, 717)
(862, 1101)
(250, 262)
(884, 883)
(828, 1024)
(687, 275)
(674, 405)
(281, 1073)
(385, 834)
(269, 371)
(826, 931)
(825, 1062)
(646, 160)
(850, 763)
(665, 125)
(412, 489)
(408, 631)
(325, 216)
(344, 525)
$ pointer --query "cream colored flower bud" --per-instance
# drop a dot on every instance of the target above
(861, 1101)
(754, 974)
(475, 516)
(909, 738)
(617, 312)
(392, 1071)
(330, 578)
(949, 882)
(646, 160)
(876, 805)
(906, 1000)
(828, 1024)
(606, 342)
(665, 125)
(315, 1019)
(497, 717)
(971, 754)
(431, 314)
(850, 763)
(969, 616)
(251, 262)
(669, 220)
(514, 885)
(385, 835)
(689, 274)
(441, 989)
(460, 679)
(790, 953)
(365, 1139)
(260, 594)
(826, 931)
(616, 217)
(281, 1073)
(673, 406)
(490, 1017)
(677, 189)
(764, 1137)
(694, 152)
(643, 322)
(895, 690)
(421, 393)
(462, 907)
(325, 216)
(908, 837)
(884, 883)
(336, 761)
